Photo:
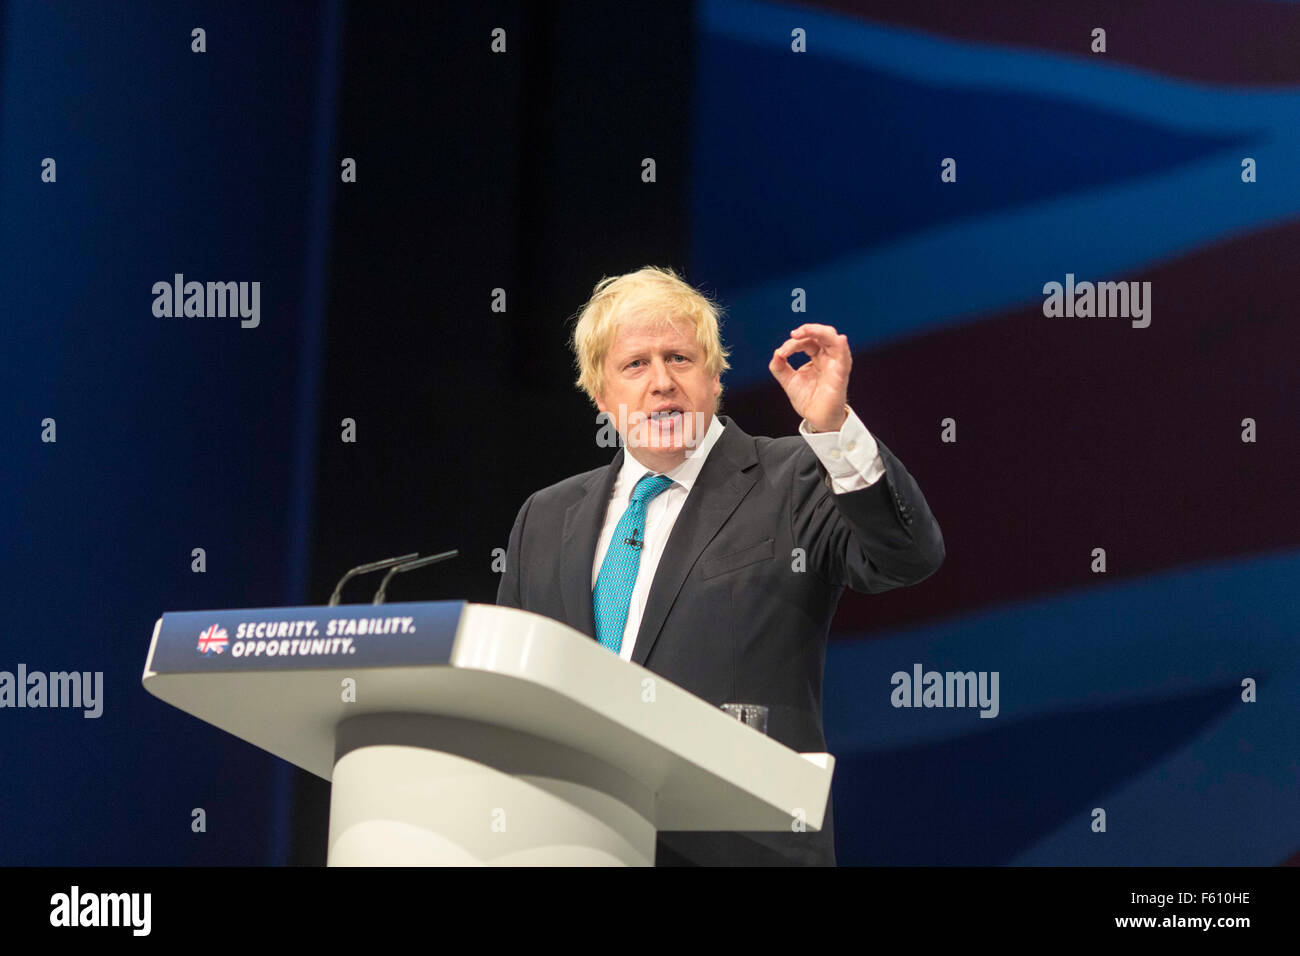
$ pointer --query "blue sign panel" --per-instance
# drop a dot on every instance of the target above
(297, 638)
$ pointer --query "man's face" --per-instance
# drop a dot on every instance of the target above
(658, 392)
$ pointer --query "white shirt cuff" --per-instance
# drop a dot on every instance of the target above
(850, 455)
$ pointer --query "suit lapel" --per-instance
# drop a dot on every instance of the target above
(582, 524)
(723, 482)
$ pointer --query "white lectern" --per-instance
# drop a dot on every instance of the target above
(468, 734)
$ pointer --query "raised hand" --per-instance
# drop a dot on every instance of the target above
(819, 389)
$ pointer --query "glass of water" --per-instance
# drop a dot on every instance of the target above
(751, 715)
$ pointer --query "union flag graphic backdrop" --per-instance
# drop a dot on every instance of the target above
(200, 465)
(1119, 690)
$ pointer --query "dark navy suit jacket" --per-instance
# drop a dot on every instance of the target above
(730, 615)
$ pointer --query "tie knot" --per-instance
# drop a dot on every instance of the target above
(649, 486)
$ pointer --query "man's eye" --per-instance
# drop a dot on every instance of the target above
(682, 357)
(633, 362)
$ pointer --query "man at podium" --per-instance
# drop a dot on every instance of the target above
(709, 556)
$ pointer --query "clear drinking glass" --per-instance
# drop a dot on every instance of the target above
(751, 715)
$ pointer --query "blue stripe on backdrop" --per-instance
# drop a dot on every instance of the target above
(1126, 696)
(1227, 797)
(983, 799)
(1068, 166)
(1177, 632)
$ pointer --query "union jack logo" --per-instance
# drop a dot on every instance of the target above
(213, 639)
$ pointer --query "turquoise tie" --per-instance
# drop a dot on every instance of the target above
(613, 591)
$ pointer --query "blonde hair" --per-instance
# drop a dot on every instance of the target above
(650, 294)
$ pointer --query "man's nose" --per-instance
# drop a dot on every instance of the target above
(662, 380)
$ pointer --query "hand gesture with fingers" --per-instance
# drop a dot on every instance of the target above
(819, 389)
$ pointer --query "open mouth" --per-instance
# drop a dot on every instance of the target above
(663, 428)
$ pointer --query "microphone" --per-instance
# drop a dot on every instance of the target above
(366, 569)
(410, 566)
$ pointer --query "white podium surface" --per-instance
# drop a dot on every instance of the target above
(472, 734)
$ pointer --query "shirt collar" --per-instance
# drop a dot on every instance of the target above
(684, 474)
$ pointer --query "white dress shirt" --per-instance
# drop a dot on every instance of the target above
(850, 456)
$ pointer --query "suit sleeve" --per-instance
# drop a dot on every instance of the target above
(510, 591)
(876, 539)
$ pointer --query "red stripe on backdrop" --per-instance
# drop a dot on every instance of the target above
(1248, 43)
(1077, 433)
